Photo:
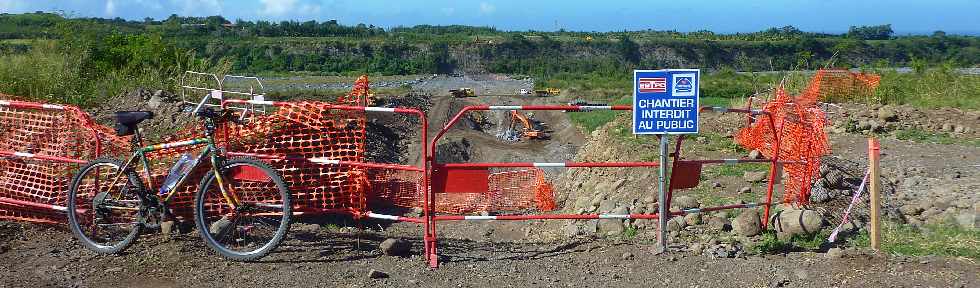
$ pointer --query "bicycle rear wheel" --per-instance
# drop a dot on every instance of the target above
(258, 224)
(104, 212)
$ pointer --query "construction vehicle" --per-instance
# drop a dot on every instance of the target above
(462, 92)
(547, 92)
(580, 102)
(531, 129)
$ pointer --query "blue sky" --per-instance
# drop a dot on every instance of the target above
(906, 16)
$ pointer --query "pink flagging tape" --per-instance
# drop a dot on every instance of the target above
(854, 199)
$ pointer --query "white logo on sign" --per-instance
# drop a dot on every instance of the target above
(684, 84)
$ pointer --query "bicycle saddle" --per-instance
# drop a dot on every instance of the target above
(126, 121)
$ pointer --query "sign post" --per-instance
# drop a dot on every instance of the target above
(665, 102)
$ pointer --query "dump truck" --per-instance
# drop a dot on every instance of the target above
(547, 92)
(462, 92)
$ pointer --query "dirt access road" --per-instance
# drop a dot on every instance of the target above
(37, 256)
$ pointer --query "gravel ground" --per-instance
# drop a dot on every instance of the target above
(318, 257)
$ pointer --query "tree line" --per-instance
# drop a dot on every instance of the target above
(328, 47)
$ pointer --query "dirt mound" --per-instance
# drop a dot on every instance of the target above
(862, 118)
(393, 137)
(454, 151)
(170, 113)
(603, 190)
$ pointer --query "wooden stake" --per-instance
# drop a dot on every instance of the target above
(874, 153)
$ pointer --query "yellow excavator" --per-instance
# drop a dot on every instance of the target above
(547, 92)
(531, 129)
(462, 92)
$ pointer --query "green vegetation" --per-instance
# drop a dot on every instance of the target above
(89, 58)
(942, 239)
(630, 232)
(918, 135)
(89, 63)
(801, 242)
(590, 121)
(770, 244)
(734, 170)
(936, 87)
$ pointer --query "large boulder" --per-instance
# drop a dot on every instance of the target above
(676, 224)
(755, 176)
(693, 219)
(719, 223)
(614, 227)
(747, 223)
(684, 202)
(793, 222)
(395, 247)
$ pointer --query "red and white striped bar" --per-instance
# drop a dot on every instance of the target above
(558, 216)
(337, 107)
(716, 208)
(15, 202)
(39, 157)
(327, 161)
(30, 105)
(552, 107)
(393, 217)
(549, 164)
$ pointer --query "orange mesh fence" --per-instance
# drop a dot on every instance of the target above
(799, 123)
(297, 130)
(42, 146)
(840, 86)
(508, 190)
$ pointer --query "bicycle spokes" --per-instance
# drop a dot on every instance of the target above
(105, 211)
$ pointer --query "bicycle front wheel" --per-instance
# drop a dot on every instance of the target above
(257, 224)
(104, 206)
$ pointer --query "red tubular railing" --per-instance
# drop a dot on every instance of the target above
(86, 122)
(424, 134)
(430, 219)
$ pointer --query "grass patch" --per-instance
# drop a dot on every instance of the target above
(943, 239)
(918, 135)
(630, 232)
(937, 87)
(770, 244)
(801, 242)
(719, 143)
(733, 170)
(589, 121)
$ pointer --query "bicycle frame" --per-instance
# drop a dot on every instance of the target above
(208, 151)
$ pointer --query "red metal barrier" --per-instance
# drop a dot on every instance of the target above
(439, 172)
(328, 161)
(42, 141)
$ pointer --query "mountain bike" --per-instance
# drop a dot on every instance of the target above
(242, 208)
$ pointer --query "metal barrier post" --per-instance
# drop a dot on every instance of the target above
(662, 197)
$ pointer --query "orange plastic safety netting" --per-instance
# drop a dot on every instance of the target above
(287, 138)
(292, 133)
(799, 126)
(507, 190)
(40, 149)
